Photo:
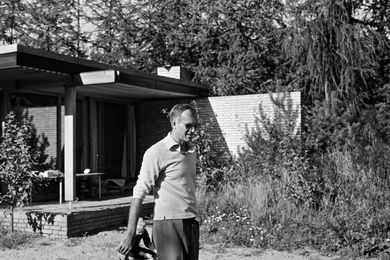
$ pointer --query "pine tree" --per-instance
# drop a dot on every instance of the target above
(55, 26)
(11, 20)
(332, 55)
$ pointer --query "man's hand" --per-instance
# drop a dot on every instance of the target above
(126, 245)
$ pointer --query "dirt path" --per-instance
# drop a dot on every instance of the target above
(102, 246)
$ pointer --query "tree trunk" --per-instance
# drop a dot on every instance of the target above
(12, 218)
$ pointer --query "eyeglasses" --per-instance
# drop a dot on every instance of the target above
(190, 126)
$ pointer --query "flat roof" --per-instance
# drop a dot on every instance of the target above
(28, 70)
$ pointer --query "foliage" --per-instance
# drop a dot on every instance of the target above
(335, 199)
(212, 165)
(331, 47)
(17, 163)
(236, 227)
(382, 108)
(231, 214)
(114, 31)
(275, 153)
(49, 25)
(13, 240)
(331, 54)
(35, 219)
(231, 46)
(54, 26)
(11, 20)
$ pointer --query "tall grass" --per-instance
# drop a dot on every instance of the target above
(13, 240)
(285, 193)
(353, 214)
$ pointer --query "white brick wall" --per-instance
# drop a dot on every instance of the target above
(235, 114)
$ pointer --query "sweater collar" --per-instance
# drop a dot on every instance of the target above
(172, 145)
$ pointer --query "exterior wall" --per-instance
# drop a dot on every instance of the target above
(229, 118)
(44, 120)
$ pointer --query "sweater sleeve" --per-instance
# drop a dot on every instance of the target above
(149, 172)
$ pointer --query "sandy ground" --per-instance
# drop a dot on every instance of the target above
(102, 246)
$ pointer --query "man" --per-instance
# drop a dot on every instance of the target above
(169, 166)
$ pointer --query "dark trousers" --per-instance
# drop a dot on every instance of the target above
(176, 239)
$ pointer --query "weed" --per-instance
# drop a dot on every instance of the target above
(13, 240)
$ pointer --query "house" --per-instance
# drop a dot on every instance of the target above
(90, 115)
(91, 106)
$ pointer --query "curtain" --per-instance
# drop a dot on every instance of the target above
(129, 146)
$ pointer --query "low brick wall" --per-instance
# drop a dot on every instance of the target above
(74, 223)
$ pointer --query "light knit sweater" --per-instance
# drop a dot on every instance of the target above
(172, 174)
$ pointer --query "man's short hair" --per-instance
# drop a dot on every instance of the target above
(178, 109)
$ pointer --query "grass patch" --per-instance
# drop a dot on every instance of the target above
(13, 240)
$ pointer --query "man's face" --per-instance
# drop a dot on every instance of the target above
(183, 128)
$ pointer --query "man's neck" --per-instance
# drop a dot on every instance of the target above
(177, 140)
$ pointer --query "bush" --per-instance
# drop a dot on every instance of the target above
(289, 193)
(13, 240)
(18, 163)
(231, 213)
(212, 165)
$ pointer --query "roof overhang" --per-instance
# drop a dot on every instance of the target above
(27, 70)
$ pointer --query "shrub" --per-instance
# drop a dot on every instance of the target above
(212, 164)
(18, 163)
(288, 193)
(231, 214)
(13, 240)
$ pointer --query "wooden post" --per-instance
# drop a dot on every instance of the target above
(59, 135)
(70, 142)
(59, 158)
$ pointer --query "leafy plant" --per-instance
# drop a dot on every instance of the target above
(17, 163)
(212, 164)
(321, 191)
(12, 240)
(35, 219)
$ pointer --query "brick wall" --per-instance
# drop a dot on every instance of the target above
(233, 117)
(69, 224)
(229, 118)
(44, 120)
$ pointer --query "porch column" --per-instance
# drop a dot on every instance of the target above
(70, 142)
(59, 134)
